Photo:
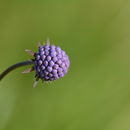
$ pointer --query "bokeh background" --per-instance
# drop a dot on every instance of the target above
(95, 94)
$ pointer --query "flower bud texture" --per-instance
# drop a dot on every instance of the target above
(51, 63)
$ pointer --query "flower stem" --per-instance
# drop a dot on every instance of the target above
(15, 66)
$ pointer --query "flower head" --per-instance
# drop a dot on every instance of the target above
(51, 63)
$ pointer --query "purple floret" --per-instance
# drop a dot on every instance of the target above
(51, 63)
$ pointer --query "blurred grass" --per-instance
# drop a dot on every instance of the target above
(95, 93)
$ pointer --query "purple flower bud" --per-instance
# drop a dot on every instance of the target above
(39, 62)
(38, 57)
(54, 71)
(54, 59)
(56, 66)
(62, 65)
(48, 58)
(38, 69)
(60, 70)
(50, 75)
(52, 47)
(42, 53)
(41, 49)
(49, 69)
(46, 63)
(46, 52)
(53, 54)
(43, 67)
(43, 57)
(51, 63)
(59, 62)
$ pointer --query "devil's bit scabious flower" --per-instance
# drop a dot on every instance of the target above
(50, 63)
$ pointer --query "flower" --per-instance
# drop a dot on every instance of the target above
(51, 63)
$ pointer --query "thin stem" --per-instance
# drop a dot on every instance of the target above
(15, 66)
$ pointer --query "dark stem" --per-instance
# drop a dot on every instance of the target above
(15, 66)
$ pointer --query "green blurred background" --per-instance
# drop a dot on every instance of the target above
(95, 94)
